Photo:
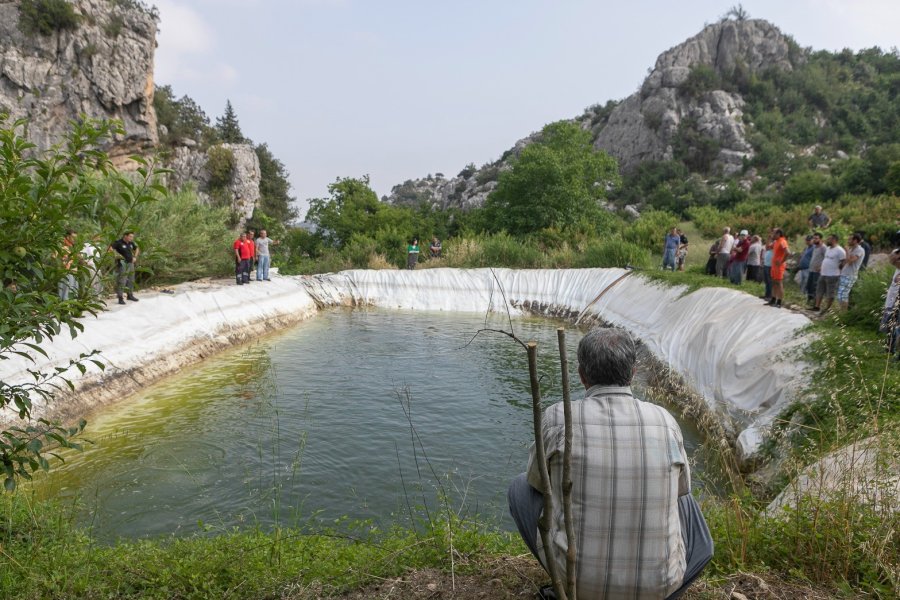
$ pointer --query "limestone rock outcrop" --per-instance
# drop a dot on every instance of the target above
(189, 166)
(103, 68)
(645, 125)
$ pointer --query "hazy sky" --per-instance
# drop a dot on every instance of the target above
(399, 89)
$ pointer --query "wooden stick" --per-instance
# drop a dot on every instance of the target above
(601, 294)
(571, 550)
(541, 457)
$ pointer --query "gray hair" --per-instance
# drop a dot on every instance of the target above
(606, 356)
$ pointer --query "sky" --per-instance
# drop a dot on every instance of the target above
(398, 89)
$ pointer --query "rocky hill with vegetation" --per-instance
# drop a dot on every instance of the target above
(738, 112)
(64, 60)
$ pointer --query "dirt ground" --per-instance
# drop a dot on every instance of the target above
(521, 577)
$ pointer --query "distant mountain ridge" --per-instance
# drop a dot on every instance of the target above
(740, 104)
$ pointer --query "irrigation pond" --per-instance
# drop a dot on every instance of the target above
(373, 415)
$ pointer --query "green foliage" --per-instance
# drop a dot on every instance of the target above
(46, 16)
(468, 171)
(810, 188)
(613, 252)
(693, 147)
(228, 128)
(182, 119)
(220, 165)
(113, 27)
(700, 80)
(648, 231)
(41, 195)
(872, 215)
(554, 182)
(63, 562)
(183, 239)
(275, 198)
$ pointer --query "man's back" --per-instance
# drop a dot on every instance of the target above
(628, 469)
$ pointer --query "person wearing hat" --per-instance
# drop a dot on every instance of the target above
(818, 220)
(739, 253)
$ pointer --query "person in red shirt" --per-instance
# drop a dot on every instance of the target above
(242, 254)
(738, 263)
(251, 239)
(780, 254)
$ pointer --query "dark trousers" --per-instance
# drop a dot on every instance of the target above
(526, 505)
(767, 278)
(811, 282)
(242, 271)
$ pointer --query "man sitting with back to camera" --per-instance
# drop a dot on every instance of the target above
(639, 532)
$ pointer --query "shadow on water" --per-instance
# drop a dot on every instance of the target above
(369, 414)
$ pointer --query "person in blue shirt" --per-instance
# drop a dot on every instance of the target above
(673, 240)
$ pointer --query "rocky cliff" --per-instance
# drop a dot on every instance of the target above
(189, 167)
(645, 125)
(102, 68)
(680, 97)
(98, 62)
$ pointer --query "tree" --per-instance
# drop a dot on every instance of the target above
(738, 13)
(352, 208)
(275, 199)
(555, 182)
(228, 128)
(182, 119)
(39, 197)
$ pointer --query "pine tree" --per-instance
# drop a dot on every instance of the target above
(228, 128)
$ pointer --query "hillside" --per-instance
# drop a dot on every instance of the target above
(738, 110)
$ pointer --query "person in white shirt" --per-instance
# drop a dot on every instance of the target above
(726, 243)
(830, 276)
(850, 269)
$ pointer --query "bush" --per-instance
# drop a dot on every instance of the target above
(183, 239)
(650, 229)
(220, 166)
(613, 252)
(46, 16)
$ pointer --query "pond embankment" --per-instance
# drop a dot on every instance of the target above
(736, 352)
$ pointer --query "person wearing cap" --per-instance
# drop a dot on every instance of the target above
(803, 264)
(739, 253)
(818, 220)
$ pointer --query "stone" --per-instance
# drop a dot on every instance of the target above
(188, 166)
(643, 127)
(867, 471)
(91, 70)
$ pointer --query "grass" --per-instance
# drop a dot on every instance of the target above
(45, 555)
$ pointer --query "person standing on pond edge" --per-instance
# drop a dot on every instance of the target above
(780, 253)
(242, 259)
(412, 254)
(251, 239)
(68, 284)
(128, 253)
(640, 533)
(263, 259)
(670, 248)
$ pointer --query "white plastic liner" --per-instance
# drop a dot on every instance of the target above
(736, 352)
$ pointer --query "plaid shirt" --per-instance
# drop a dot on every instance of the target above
(628, 468)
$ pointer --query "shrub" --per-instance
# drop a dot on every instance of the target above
(220, 166)
(114, 26)
(700, 80)
(46, 16)
(613, 252)
(650, 229)
(183, 239)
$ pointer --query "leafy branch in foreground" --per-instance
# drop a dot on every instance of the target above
(47, 275)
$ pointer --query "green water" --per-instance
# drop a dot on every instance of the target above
(365, 414)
